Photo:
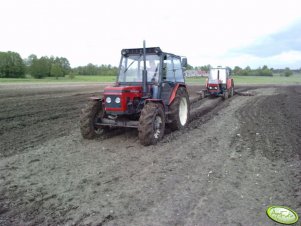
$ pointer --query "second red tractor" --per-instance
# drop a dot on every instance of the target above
(219, 83)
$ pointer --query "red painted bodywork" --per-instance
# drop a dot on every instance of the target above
(229, 83)
(173, 94)
(126, 93)
(213, 90)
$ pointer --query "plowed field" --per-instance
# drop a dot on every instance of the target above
(234, 159)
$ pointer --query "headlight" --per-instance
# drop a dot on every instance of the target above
(210, 87)
(117, 100)
(108, 100)
(215, 87)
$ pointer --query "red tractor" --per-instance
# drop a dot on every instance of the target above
(149, 94)
(219, 83)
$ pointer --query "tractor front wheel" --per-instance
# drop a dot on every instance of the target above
(89, 116)
(179, 109)
(151, 124)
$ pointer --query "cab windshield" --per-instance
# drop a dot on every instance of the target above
(132, 66)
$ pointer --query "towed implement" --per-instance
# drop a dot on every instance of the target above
(149, 94)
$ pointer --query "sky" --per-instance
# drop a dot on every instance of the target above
(216, 32)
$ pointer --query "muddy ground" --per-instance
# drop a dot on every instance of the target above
(232, 161)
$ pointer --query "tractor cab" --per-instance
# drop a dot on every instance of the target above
(142, 77)
(149, 93)
(132, 66)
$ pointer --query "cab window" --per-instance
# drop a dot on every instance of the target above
(178, 70)
(168, 73)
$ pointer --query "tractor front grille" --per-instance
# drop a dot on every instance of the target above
(113, 103)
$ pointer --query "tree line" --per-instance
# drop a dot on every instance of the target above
(247, 71)
(47, 66)
(262, 71)
(92, 69)
(13, 66)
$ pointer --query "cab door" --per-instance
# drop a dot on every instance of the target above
(168, 79)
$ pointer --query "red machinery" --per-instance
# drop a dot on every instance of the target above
(219, 83)
(150, 92)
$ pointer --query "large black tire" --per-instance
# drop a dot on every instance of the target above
(225, 95)
(202, 94)
(231, 93)
(151, 124)
(88, 117)
(179, 110)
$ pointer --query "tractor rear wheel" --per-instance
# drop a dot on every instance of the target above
(151, 124)
(231, 94)
(88, 117)
(225, 95)
(180, 110)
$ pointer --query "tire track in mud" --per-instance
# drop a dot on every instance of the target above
(264, 156)
(264, 121)
(58, 208)
(26, 122)
(196, 176)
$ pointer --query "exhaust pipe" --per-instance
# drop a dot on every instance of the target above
(144, 72)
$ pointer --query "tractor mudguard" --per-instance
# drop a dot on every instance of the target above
(229, 83)
(154, 101)
(174, 91)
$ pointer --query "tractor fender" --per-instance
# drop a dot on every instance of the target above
(96, 99)
(229, 83)
(154, 101)
(174, 91)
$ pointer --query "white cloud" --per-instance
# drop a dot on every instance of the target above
(291, 59)
(95, 31)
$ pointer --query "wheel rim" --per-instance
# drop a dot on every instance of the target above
(157, 126)
(183, 111)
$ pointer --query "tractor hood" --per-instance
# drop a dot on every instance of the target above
(118, 90)
(121, 99)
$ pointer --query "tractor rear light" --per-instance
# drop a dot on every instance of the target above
(117, 100)
(108, 100)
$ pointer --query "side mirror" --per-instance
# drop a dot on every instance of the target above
(184, 62)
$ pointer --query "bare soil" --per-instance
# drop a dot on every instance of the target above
(234, 159)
